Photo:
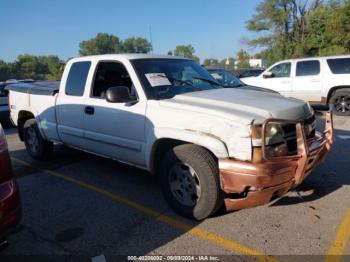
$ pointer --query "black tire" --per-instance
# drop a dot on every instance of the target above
(42, 149)
(206, 177)
(340, 100)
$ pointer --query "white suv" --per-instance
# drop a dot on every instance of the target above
(322, 79)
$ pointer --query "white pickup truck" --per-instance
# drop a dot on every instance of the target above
(323, 80)
(209, 145)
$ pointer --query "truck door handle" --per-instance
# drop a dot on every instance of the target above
(89, 110)
(315, 80)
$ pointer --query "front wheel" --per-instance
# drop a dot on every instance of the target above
(36, 146)
(190, 181)
(340, 100)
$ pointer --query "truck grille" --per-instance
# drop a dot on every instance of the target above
(290, 133)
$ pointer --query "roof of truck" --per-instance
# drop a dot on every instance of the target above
(129, 56)
(315, 57)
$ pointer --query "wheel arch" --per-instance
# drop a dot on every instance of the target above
(213, 145)
(23, 116)
(335, 88)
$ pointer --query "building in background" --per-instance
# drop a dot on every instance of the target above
(253, 63)
(257, 63)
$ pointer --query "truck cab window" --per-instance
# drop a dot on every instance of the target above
(76, 80)
(110, 74)
(281, 70)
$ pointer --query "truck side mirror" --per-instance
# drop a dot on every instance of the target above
(268, 75)
(118, 94)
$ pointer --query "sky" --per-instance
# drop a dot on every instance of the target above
(39, 27)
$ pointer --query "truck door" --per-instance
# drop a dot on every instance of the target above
(114, 129)
(279, 78)
(70, 104)
(307, 83)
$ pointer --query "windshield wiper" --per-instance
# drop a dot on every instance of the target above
(207, 80)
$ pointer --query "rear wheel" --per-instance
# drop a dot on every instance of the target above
(190, 181)
(36, 146)
(340, 100)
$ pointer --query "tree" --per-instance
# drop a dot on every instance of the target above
(242, 60)
(272, 22)
(300, 28)
(196, 58)
(6, 71)
(27, 66)
(184, 50)
(53, 67)
(136, 45)
(32, 67)
(210, 61)
(102, 43)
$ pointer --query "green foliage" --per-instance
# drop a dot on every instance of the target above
(211, 62)
(136, 45)
(104, 43)
(32, 67)
(301, 28)
(184, 50)
(196, 58)
(6, 71)
(242, 60)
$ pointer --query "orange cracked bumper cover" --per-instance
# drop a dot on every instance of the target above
(254, 184)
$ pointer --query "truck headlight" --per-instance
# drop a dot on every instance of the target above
(275, 143)
(273, 134)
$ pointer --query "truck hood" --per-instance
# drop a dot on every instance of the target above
(240, 105)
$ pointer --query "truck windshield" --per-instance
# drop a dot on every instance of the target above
(166, 78)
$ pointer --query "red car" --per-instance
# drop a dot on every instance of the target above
(10, 204)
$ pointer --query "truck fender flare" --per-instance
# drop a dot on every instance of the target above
(212, 143)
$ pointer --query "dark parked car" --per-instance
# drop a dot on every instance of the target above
(4, 105)
(227, 79)
(250, 72)
(10, 204)
(4, 108)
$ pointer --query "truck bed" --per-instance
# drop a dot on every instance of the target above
(37, 98)
(36, 87)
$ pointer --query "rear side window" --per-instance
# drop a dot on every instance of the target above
(339, 65)
(308, 68)
(77, 78)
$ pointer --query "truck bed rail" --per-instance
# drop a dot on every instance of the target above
(36, 87)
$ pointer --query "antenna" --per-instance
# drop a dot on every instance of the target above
(150, 38)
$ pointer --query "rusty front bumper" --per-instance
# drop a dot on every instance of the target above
(248, 184)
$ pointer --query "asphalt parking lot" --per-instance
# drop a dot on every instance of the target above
(79, 206)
